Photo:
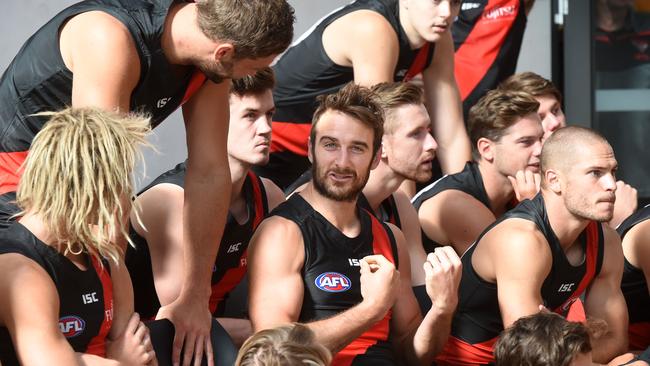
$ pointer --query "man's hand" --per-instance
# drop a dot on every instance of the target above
(525, 183)
(626, 202)
(379, 283)
(134, 346)
(192, 322)
(443, 270)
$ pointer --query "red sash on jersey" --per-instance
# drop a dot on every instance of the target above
(479, 51)
(288, 136)
(97, 345)
(381, 330)
(460, 353)
(197, 80)
(233, 276)
(10, 170)
(419, 64)
(639, 336)
(590, 273)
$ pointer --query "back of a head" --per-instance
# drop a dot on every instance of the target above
(542, 339)
(495, 112)
(257, 28)
(289, 345)
(78, 174)
(533, 84)
(255, 84)
(354, 101)
(391, 96)
(560, 149)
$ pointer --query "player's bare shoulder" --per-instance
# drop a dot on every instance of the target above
(358, 29)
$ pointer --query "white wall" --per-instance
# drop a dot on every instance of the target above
(19, 19)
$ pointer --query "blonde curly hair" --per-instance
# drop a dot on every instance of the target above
(77, 177)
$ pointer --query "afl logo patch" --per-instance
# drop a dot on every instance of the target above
(71, 326)
(333, 282)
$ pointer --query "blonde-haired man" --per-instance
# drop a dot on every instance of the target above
(65, 293)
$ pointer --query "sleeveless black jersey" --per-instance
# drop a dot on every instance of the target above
(487, 37)
(230, 265)
(477, 323)
(85, 296)
(305, 72)
(387, 210)
(468, 180)
(331, 275)
(37, 79)
(635, 289)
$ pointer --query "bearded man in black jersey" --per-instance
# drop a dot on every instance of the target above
(304, 260)
(552, 250)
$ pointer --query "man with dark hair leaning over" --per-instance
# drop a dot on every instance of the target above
(551, 250)
(152, 57)
(506, 137)
(368, 42)
(157, 259)
(305, 259)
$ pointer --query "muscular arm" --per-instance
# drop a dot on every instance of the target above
(444, 219)
(205, 207)
(419, 339)
(515, 256)
(275, 259)
(31, 314)
(101, 54)
(443, 103)
(161, 213)
(605, 301)
(207, 185)
(365, 41)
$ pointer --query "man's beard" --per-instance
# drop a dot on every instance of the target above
(217, 71)
(334, 192)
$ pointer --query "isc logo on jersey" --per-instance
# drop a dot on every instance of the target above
(71, 326)
(333, 282)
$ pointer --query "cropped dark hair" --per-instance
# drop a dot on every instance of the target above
(495, 112)
(258, 83)
(543, 339)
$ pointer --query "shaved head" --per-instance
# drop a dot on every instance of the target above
(565, 147)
